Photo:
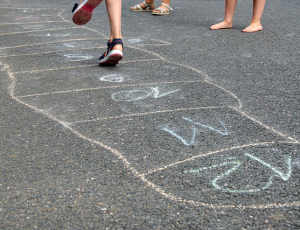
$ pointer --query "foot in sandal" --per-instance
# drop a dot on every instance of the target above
(114, 52)
(145, 6)
(162, 10)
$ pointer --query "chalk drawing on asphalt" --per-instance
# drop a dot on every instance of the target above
(155, 93)
(236, 164)
(140, 94)
(112, 78)
(77, 57)
(196, 125)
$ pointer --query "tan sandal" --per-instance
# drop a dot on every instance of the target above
(161, 11)
(138, 8)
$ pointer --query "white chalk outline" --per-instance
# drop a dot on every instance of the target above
(120, 156)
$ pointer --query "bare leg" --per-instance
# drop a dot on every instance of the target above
(114, 14)
(163, 7)
(258, 9)
(229, 12)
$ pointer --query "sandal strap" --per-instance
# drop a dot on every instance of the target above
(147, 6)
(161, 10)
(75, 7)
(137, 6)
(115, 41)
(163, 4)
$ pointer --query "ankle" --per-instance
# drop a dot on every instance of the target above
(256, 23)
(118, 47)
(228, 21)
(115, 37)
(166, 2)
(149, 2)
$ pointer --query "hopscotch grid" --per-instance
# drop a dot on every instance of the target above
(128, 164)
(135, 172)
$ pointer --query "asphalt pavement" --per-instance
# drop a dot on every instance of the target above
(194, 129)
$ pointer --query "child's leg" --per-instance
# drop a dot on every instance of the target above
(115, 45)
(229, 12)
(258, 9)
(114, 14)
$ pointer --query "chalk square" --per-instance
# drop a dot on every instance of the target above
(85, 78)
(80, 106)
(152, 141)
(249, 176)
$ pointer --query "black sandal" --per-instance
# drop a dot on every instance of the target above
(112, 57)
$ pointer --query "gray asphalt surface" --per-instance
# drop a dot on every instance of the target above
(194, 129)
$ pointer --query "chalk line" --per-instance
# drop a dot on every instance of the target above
(108, 87)
(128, 164)
(35, 31)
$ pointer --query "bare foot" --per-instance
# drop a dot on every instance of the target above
(221, 25)
(253, 27)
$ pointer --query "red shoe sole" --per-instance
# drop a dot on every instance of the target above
(84, 12)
